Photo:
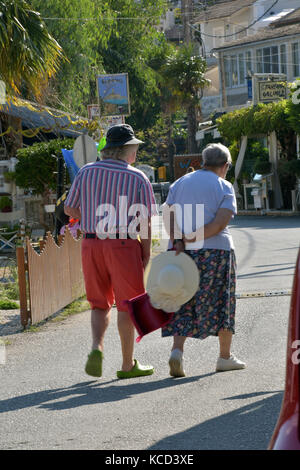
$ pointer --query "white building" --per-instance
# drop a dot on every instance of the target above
(275, 49)
(224, 25)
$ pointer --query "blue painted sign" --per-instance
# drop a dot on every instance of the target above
(185, 165)
(113, 91)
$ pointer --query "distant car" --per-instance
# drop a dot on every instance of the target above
(286, 435)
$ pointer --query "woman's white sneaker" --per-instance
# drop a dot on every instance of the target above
(176, 363)
(229, 364)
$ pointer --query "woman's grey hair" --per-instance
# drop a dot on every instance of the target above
(215, 155)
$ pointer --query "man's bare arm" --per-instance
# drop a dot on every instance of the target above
(72, 212)
(145, 236)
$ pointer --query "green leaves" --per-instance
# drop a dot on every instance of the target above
(28, 54)
(36, 165)
(255, 120)
(182, 77)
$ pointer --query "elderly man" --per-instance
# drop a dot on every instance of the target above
(104, 196)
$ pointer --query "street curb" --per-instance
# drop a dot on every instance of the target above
(264, 213)
(278, 293)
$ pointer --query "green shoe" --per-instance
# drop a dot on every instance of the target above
(137, 371)
(94, 363)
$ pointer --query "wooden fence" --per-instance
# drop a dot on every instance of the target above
(50, 280)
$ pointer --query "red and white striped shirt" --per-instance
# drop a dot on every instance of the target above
(114, 183)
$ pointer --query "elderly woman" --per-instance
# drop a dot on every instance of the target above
(211, 312)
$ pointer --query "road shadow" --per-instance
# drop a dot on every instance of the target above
(268, 272)
(249, 427)
(12, 323)
(268, 222)
(91, 393)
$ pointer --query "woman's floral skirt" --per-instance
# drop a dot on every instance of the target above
(213, 306)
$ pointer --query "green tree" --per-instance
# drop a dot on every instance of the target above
(105, 37)
(36, 169)
(183, 73)
(29, 55)
(181, 78)
(154, 151)
(79, 26)
(37, 165)
(136, 47)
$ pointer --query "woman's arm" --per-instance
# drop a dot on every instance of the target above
(222, 219)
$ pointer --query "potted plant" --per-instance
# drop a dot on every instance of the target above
(5, 204)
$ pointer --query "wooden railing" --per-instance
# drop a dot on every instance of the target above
(50, 280)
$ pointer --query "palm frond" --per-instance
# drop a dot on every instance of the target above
(28, 53)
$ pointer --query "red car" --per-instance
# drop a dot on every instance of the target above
(286, 435)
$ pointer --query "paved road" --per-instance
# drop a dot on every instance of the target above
(47, 402)
(266, 250)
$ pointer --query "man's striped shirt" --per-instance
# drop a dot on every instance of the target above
(114, 183)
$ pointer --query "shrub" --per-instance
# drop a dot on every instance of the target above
(6, 304)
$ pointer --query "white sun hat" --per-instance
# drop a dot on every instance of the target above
(171, 281)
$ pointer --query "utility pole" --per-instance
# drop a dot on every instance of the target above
(187, 11)
(187, 15)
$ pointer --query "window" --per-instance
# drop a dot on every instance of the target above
(241, 69)
(227, 72)
(259, 61)
(267, 59)
(234, 70)
(248, 63)
(274, 59)
(236, 67)
(283, 68)
(295, 59)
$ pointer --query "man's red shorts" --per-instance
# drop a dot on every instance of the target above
(113, 270)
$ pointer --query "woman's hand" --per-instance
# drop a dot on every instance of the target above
(189, 238)
(179, 246)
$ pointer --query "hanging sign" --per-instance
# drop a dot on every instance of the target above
(271, 91)
(113, 93)
(93, 111)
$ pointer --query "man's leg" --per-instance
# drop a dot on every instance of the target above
(99, 323)
(126, 332)
(126, 271)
